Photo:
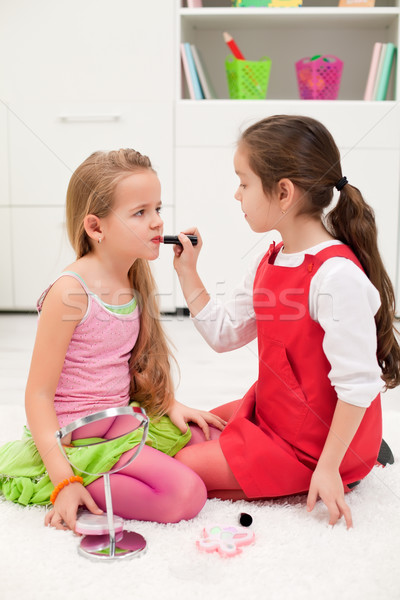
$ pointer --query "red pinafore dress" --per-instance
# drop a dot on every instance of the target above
(274, 440)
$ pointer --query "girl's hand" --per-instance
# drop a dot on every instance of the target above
(63, 515)
(327, 484)
(185, 261)
(181, 415)
(186, 255)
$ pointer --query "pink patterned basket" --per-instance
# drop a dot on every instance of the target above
(319, 77)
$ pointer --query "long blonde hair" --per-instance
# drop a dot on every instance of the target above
(90, 191)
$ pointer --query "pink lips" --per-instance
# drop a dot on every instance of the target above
(156, 240)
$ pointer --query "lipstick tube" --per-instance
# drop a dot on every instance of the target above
(173, 239)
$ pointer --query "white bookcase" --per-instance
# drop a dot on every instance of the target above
(367, 133)
(287, 34)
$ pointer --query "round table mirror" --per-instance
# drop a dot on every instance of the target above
(82, 442)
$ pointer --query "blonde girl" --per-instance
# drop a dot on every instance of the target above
(100, 344)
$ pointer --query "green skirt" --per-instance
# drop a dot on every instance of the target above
(23, 476)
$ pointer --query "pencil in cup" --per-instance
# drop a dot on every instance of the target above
(237, 53)
(230, 42)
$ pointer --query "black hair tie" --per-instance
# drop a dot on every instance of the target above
(341, 183)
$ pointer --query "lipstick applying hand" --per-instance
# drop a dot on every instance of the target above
(173, 239)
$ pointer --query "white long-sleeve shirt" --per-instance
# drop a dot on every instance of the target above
(342, 300)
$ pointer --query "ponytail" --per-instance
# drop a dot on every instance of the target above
(302, 150)
(352, 221)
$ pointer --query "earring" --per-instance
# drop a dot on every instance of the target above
(283, 212)
(99, 241)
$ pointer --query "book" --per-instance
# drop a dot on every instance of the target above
(186, 71)
(373, 69)
(379, 71)
(361, 3)
(208, 90)
(387, 64)
(197, 89)
(269, 3)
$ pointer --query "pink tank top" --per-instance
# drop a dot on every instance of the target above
(95, 375)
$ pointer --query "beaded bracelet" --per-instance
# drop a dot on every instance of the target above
(62, 484)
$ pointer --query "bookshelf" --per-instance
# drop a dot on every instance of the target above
(206, 130)
(288, 34)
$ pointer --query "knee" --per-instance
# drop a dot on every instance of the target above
(187, 497)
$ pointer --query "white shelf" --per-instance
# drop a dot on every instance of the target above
(256, 18)
(333, 104)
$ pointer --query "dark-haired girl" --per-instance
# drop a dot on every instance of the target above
(322, 307)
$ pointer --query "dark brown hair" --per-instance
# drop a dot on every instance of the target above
(302, 150)
(91, 191)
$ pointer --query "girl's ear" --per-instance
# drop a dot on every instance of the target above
(286, 194)
(93, 227)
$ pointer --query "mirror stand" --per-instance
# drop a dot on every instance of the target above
(107, 540)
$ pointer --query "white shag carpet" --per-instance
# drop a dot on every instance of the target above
(295, 554)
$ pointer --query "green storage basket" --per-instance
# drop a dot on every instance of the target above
(247, 79)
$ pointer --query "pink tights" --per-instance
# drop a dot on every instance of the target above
(154, 487)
